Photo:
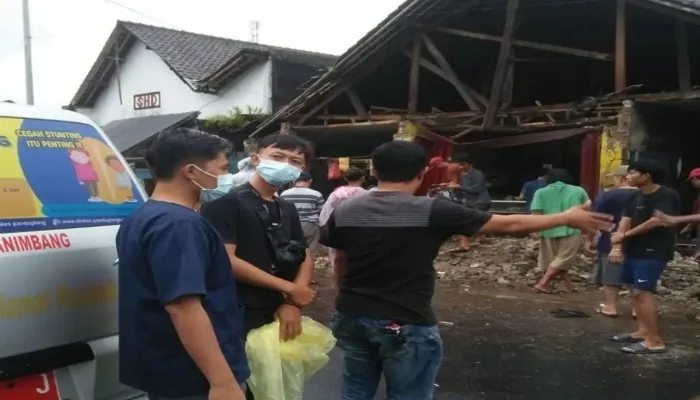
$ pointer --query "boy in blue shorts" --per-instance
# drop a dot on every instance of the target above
(645, 246)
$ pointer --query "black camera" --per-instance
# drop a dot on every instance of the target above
(292, 252)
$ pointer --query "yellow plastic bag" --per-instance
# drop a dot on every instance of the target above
(279, 370)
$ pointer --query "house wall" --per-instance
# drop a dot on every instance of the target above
(143, 71)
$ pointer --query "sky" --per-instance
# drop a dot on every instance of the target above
(67, 35)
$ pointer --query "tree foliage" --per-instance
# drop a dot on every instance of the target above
(234, 119)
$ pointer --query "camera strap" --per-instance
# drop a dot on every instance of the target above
(273, 230)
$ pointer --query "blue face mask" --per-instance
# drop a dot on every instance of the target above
(224, 183)
(277, 173)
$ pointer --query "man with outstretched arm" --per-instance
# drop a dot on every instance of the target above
(180, 323)
(386, 243)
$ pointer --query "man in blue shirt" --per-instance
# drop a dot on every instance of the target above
(180, 324)
(530, 187)
(607, 273)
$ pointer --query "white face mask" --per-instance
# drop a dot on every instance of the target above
(224, 182)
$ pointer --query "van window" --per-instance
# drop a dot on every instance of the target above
(60, 175)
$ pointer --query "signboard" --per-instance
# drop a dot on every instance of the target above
(147, 101)
(60, 175)
(35, 387)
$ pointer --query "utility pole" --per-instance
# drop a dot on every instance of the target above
(28, 77)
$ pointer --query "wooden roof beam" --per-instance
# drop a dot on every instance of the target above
(357, 104)
(596, 55)
(329, 97)
(437, 71)
(449, 74)
(499, 74)
(416, 57)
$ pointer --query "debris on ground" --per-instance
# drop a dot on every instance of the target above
(511, 262)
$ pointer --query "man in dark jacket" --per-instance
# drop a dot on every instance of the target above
(475, 189)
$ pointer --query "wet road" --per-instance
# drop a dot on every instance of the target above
(508, 346)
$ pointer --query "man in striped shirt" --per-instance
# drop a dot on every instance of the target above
(308, 203)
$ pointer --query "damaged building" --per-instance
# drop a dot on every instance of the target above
(518, 84)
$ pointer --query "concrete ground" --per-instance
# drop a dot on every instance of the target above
(506, 345)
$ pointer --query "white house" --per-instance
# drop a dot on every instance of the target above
(148, 79)
(146, 70)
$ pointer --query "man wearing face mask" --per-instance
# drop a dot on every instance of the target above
(224, 183)
(249, 218)
(180, 322)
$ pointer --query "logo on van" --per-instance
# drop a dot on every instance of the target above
(5, 142)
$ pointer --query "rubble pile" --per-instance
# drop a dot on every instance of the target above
(506, 261)
(512, 262)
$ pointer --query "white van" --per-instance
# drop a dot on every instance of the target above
(64, 188)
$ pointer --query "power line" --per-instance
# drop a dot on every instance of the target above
(135, 11)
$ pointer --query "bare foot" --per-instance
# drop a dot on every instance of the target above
(541, 289)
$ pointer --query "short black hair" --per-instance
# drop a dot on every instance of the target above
(559, 175)
(172, 149)
(543, 172)
(399, 161)
(646, 166)
(305, 177)
(353, 174)
(463, 158)
(286, 142)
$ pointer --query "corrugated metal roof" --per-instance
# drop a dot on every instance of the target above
(127, 133)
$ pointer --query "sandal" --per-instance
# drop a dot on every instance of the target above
(600, 311)
(569, 313)
(642, 349)
(625, 338)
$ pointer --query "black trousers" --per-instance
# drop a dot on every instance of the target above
(249, 394)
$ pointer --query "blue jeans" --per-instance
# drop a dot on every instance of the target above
(409, 358)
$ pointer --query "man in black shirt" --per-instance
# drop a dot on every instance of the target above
(645, 248)
(386, 242)
(269, 288)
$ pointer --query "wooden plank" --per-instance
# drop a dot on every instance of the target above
(318, 107)
(357, 104)
(508, 85)
(692, 17)
(501, 65)
(439, 72)
(596, 55)
(621, 45)
(684, 81)
(415, 76)
(450, 73)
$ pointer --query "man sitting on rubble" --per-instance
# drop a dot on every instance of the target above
(559, 245)
(386, 243)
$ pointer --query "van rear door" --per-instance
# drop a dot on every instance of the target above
(63, 191)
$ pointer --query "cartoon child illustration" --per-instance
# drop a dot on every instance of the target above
(85, 172)
(122, 178)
